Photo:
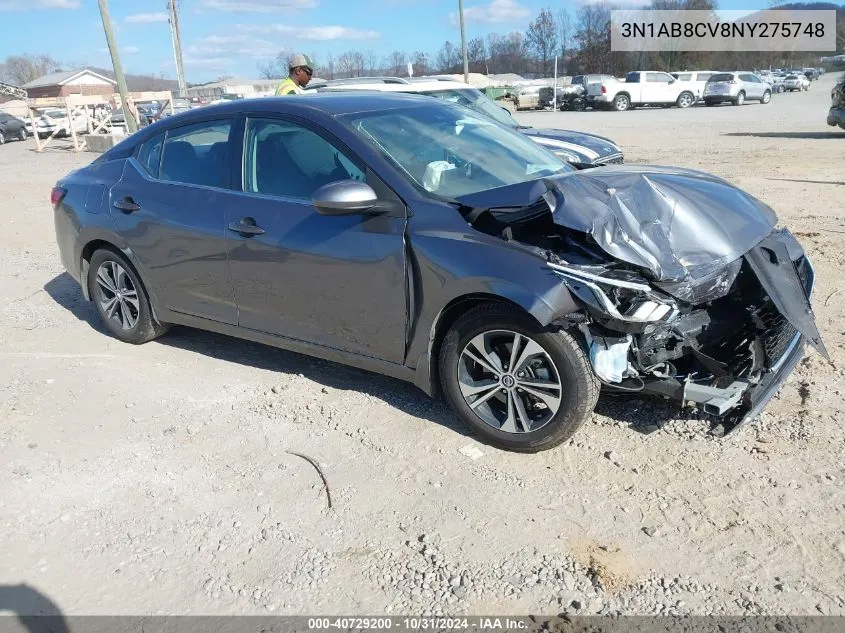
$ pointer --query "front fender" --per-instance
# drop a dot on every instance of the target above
(466, 266)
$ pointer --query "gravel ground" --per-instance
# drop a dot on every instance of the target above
(163, 478)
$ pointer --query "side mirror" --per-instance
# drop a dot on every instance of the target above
(344, 197)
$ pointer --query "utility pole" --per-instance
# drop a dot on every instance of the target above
(131, 123)
(177, 46)
(463, 41)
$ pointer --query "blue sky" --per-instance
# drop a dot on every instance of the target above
(233, 36)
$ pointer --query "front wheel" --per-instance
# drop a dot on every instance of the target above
(621, 103)
(22, 134)
(685, 99)
(2, 138)
(518, 386)
(120, 298)
(767, 96)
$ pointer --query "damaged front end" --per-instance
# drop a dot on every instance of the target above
(688, 290)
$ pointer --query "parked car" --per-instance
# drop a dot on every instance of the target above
(414, 238)
(793, 83)
(642, 88)
(528, 97)
(836, 114)
(118, 119)
(178, 106)
(55, 120)
(11, 127)
(736, 88)
(573, 147)
(805, 81)
(811, 73)
(697, 79)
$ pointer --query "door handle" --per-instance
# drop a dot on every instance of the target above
(246, 227)
(127, 205)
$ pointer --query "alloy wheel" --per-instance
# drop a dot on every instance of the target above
(118, 297)
(685, 100)
(509, 381)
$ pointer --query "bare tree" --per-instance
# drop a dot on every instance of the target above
(421, 63)
(397, 63)
(477, 55)
(593, 36)
(372, 62)
(448, 57)
(330, 67)
(564, 32)
(21, 69)
(542, 39)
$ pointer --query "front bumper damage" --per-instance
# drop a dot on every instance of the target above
(688, 290)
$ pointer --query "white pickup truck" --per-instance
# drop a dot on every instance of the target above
(642, 88)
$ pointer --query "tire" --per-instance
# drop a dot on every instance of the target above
(767, 96)
(129, 320)
(685, 100)
(2, 138)
(740, 99)
(554, 358)
(621, 103)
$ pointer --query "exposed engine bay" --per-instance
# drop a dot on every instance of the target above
(688, 290)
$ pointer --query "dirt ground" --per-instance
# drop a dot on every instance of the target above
(161, 479)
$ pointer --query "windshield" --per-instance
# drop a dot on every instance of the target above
(449, 151)
(476, 100)
(55, 114)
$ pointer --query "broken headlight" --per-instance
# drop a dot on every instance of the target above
(623, 297)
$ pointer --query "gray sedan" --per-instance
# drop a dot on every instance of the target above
(417, 239)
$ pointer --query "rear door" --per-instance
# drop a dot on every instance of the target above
(169, 208)
(336, 281)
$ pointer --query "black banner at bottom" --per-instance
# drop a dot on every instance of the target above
(408, 624)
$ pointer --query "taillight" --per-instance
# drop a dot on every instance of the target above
(57, 195)
(603, 90)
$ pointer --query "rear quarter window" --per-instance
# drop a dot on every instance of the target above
(149, 154)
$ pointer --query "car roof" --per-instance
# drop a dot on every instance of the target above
(331, 103)
(417, 86)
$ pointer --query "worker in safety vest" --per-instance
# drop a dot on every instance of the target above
(301, 71)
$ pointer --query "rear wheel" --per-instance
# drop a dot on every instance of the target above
(120, 298)
(516, 385)
(685, 99)
(740, 99)
(621, 103)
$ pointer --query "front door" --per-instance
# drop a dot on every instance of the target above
(337, 281)
(169, 208)
(656, 88)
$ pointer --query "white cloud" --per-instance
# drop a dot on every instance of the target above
(228, 46)
(259, 6)
(312, 33)
(496, 12)
(146, 18)
(20, 5)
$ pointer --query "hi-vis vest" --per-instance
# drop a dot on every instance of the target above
(287, 87)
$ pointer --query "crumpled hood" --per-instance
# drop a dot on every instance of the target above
(590, 146)
(679, 224)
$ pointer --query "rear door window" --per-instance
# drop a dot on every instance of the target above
(198, 154)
